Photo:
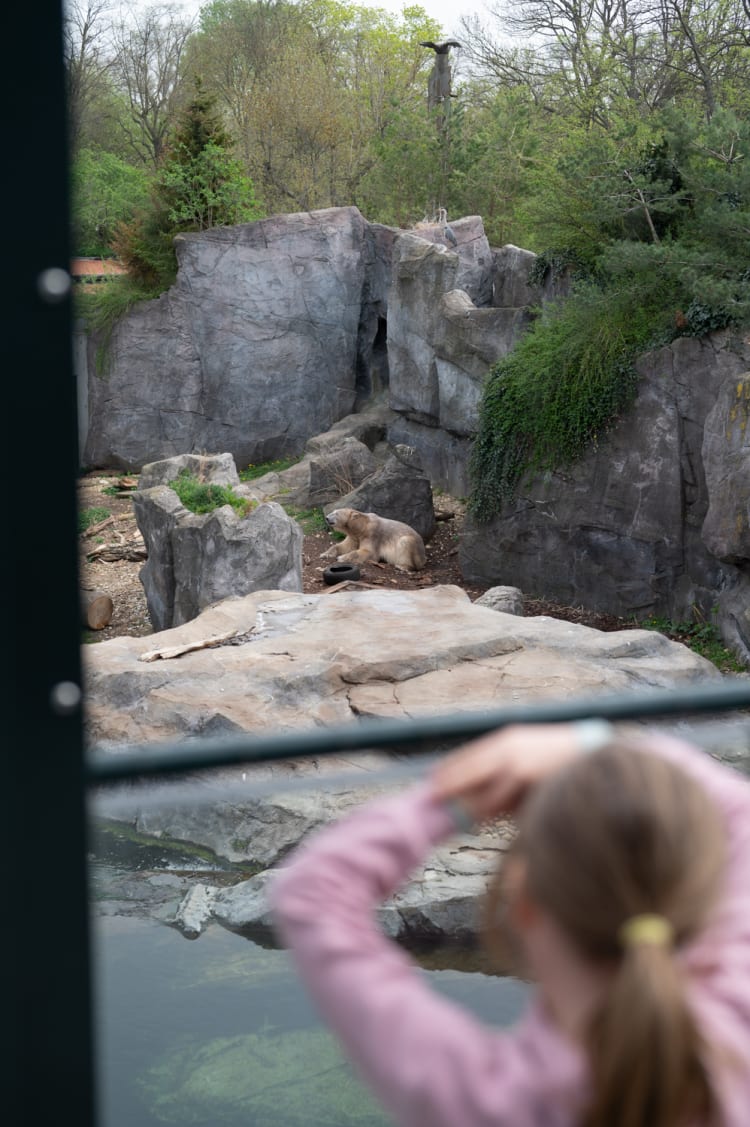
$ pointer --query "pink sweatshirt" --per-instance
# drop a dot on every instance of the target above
(430, 1062)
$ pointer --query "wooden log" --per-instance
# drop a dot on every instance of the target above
(94, 528)
(168, 652)
(111, 553)
(96, 608)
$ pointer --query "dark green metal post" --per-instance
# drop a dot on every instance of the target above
(46, 1041)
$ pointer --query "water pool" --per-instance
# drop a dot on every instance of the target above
(217, 1032)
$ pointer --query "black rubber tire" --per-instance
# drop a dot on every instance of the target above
(338, 573)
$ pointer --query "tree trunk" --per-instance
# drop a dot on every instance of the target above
(96, 608)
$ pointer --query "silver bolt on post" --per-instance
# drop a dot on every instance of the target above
(53, 284)
(65, 698)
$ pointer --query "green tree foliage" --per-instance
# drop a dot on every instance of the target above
(500, 147)
(662, 237)
(402, 183)
(106, 191)
(312, 90)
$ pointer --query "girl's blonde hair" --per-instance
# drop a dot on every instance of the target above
(615, 835)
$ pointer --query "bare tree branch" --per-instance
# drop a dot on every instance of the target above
(148, 67)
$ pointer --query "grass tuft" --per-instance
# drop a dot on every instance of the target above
(203, 497)
(251, 472)
(87, 517)
(310, 520)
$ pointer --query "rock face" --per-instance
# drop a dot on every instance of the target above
(652, 522)
(446, 328)
(268, 305)
(338, 312)
(196, 560)
(317, 660)
(726, 459)
(305, 303)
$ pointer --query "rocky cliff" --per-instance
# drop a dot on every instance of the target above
(654, 520)
(274, 330)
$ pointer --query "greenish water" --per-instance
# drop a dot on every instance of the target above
(218, 1033)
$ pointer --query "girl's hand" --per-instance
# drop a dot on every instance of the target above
(492, 775)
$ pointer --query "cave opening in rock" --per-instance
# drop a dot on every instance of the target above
(372, 367)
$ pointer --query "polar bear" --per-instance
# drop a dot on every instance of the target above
(370, 538)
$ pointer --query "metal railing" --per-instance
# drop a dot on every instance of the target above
(166, 759)
(47, 1059)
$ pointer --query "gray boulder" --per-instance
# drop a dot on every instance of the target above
(220, 555)
(157, 514)
(219, 469)
(196, 560)
(317, 478)
(370, 426)
(509, 600)
(338, 470)
(399, 490)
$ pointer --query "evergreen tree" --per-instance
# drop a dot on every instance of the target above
(199, 185)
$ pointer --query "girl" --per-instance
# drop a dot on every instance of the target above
(627, 894)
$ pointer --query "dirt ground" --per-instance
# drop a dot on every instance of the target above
(112, 554)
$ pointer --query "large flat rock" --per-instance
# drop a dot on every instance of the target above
(322, 659)
(311, 660)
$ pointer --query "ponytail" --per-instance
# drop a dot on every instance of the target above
(625, 851)
(645, 1053)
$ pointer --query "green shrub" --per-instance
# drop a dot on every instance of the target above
(701, 637)
(563, 385)
(202, 497)
(102, 306)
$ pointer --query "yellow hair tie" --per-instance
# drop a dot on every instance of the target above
(648, 928)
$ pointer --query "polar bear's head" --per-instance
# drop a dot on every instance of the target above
(341, 520)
